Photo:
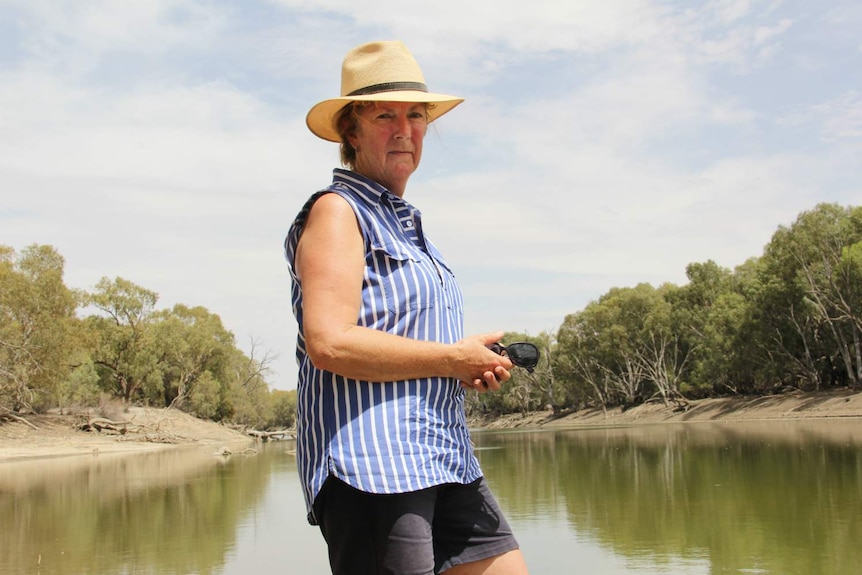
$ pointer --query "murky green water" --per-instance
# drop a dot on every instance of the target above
(777, 498)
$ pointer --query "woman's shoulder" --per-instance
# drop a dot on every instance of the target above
(330, 204)
(321, 201)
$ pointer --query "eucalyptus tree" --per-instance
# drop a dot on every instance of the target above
(283, 409)
(245, 391)
(546, 388)
(709, 313)
(125, 354)
(532, 390)
(577, 361)
(598, 346)
(813, 275)
(38, 327)
(195, 350)
(662, 350)
(625, 347)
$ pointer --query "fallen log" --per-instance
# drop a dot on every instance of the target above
(8, 415)
(99, 424)
(270, 435)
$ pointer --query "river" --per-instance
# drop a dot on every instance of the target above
(779, 497)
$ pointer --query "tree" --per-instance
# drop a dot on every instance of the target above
(577, 363)
(246, 397)
(125, 354)
(658, 350)
(711, 315)
(38, 328)
(194, 347)
(283, 409)
(812, 269)
(548, 390)
(598, 346)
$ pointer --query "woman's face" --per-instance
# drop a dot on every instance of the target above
(388, 142)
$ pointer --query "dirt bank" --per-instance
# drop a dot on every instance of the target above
(148, 430)
(153, 429)
(842, 403)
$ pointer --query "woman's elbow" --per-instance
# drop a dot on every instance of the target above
(324, 355)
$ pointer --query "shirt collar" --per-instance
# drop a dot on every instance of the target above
(373, 191)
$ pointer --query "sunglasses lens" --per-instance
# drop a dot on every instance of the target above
(524, 355)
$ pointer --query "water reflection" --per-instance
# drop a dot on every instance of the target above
(764, 498)
(165, 512)
(691, 499)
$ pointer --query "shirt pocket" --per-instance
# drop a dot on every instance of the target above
(407, 278)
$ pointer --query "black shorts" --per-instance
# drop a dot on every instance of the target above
(417, 533)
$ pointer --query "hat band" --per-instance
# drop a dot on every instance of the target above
(389, 87)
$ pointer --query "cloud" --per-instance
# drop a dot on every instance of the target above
(601, 143)
(104, 25)
(588, 26)
(835, 120)
(841, 118)
(181, 189)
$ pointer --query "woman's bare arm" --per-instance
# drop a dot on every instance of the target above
(330, 263)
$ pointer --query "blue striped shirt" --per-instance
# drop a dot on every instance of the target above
(394, 436)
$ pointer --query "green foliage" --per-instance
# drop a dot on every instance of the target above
(812, 282)
(626, 346)
(81, 388)
(791, 317)
(283, 409)
(37, 326)
(195, 348)
(247, 392)
(126, 351)
(204, 398)
(125, 348)
(710, 312)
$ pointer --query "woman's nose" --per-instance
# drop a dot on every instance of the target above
(402, 128)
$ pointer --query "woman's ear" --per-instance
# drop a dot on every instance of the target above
(352, 138)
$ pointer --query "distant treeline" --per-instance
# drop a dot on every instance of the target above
(791, 318)
(51, 355)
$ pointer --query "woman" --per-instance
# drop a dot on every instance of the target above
(382, 443)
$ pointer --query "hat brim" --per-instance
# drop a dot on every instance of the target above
(321, 117)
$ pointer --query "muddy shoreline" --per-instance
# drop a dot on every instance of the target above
(156, 429)
(833, 404)
(149, 429)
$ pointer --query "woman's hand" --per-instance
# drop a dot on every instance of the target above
(490, 380)
(489, 369)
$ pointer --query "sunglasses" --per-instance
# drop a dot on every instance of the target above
(522, 354)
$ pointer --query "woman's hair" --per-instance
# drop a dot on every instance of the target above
(345, 124)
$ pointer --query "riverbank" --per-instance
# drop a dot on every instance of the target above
(147, 429)
(833, 404)
(154, 429)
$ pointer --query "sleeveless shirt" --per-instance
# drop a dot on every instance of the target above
(384, 436)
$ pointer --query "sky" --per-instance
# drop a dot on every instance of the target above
(601, 144)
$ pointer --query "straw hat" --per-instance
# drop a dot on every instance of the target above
(381, 72)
